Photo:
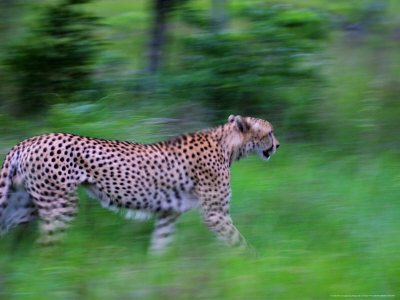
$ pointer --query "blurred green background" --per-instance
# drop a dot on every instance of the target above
(322, 215)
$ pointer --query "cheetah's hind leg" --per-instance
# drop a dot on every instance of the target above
(17, 209)
(55, 215)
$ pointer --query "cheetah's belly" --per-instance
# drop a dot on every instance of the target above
(153, 201)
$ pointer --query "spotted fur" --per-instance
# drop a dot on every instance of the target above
(40, 177)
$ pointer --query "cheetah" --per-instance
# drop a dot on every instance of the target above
(40, 177)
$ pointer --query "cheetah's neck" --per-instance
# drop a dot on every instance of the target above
(230, 141)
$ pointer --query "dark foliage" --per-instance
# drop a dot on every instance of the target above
(53, 63)
(261, 64)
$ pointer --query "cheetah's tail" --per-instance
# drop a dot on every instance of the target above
(16, 206)
(6, 175)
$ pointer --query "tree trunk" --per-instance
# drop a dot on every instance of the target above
(6, 15)
(161, 9)
(219, 16)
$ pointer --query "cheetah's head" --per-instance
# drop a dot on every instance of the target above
(257, 136)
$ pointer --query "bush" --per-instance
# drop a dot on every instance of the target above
(53, 63)
(262, 67)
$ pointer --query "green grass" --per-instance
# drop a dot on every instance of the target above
(320, 224)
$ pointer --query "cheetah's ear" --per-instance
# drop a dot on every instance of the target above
(241, 123)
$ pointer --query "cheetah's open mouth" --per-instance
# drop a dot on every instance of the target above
(267, 153)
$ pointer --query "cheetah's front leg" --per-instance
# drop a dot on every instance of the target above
(163, 231)
(215, 208)
(221, 224)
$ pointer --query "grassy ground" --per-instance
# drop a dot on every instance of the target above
(321, 224)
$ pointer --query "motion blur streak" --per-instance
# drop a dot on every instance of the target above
(322, 216)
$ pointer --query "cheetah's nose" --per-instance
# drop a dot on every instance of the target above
(277, 146)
